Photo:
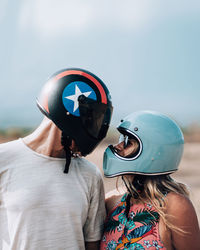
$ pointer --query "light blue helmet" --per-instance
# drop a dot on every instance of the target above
(160, 146)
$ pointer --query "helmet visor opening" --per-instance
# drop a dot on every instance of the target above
(129, 146)
(95, 117)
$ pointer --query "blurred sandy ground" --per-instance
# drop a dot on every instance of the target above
(189, 171)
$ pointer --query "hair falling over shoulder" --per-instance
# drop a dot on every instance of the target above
(153, 190)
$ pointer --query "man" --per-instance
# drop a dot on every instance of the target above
(49, 202)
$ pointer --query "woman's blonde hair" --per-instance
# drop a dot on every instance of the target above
(154, 189)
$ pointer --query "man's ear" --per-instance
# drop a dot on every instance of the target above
(73, 145)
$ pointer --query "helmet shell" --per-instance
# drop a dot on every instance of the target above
(79, 104)
(161, 146)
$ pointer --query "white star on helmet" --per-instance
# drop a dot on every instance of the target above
(74, 97)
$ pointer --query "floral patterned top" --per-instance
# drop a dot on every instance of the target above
(138, 231)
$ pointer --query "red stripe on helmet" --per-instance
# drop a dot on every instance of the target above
(91, 78)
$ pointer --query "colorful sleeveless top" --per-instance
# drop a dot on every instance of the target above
(139, 231)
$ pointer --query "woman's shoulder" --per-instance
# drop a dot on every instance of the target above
(180, 209)
(176, 202)
(113, 197)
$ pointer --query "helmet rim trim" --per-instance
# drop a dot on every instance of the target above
(139, 173)
(134, 135)
(43, 110)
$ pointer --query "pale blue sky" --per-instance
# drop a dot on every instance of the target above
(147, 52)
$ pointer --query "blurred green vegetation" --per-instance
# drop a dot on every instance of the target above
(13, 133)
(191, 134)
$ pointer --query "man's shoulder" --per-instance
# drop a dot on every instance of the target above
(4, 147)
(9, 151)
(88, 168)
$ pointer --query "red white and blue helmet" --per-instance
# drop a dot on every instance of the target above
(79, 104)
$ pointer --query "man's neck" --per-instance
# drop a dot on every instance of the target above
(46, 140)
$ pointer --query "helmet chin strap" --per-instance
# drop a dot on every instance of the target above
(137, 186)
(138, 183)
(66, 141)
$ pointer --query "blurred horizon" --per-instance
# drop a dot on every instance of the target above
(191, 134)
(146, 52)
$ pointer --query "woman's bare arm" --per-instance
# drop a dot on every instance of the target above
(182, 214)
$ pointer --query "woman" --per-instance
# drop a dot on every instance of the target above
(155, 212)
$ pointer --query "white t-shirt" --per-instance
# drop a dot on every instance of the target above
(43, 208)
